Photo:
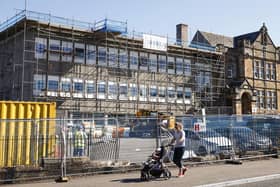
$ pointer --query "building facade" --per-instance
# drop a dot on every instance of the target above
(96, 69)
(252, 70)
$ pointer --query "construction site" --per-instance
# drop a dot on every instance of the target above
(102, 68)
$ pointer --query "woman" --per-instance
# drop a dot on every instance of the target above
(179, 139)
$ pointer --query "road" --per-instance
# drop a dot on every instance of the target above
(209, 175)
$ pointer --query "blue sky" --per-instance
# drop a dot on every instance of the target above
(230, 18)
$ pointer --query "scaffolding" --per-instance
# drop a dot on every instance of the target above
(101, 67)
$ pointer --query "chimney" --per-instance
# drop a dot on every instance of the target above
(182, 34)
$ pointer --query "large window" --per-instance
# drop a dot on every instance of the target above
(262, 70)
(180, 93)
(67, 50)
(112, 90)
(179, 66)
(79, 55)
(171, 92)
(162, 92)
(268, 100)
(133, 60)
(274, 100)
(123, 91)
(143, 63)
(113, 57)
(153, 91)
(78, 87)
(143, 91)
(171, 65)
(90, 88)
(101, 87)
(256, 69)
(54, 50)
(38, 84)
(41, 48)
(53, 85)
(187, 67)
(268, 71)
(153, 63)
(188, 93)
(133, 91)
(65, 86)
(261, 99)
(162, 63)
(123, 59)
(273, 72)
(102, 59)
(91, 54)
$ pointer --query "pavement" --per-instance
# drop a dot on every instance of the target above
(250, 173)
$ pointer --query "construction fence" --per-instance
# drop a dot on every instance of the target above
(132, 140)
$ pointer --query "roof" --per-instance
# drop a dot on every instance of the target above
(250, 36)
(215, 39)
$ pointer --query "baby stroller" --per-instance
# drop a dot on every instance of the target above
(154, 166)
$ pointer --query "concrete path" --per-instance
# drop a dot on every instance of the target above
(195, 176)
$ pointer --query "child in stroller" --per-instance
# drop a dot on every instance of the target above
(154, 166)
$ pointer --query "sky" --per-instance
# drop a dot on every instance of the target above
(225, 17)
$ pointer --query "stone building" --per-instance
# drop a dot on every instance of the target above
(252, 70)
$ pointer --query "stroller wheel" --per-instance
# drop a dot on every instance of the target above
(167, 174)
(144, 176)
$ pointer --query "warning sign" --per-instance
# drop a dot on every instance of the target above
(199, 126)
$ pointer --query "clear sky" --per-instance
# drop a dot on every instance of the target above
(226, 17)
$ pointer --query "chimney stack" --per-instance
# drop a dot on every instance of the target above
(182, 34)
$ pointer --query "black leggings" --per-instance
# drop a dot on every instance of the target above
(178, 155)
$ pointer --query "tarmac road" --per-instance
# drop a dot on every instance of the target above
(195, 176)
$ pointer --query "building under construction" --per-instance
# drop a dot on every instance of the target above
(92, 69)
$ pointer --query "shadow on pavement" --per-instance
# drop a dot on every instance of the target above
(137, 180)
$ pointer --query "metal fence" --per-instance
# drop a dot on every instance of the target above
(87, 145)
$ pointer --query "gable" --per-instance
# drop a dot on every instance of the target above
(199, 39)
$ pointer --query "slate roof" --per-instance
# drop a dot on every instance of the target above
(250, 36)
(215, 39)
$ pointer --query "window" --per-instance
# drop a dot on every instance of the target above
(187, 67)
(262, 70)
(133, 60)
(180, 94)
(273, 72)
(143, 63)
(112, 90)
(171, 65)
(112, 57)
(133, 91)
(268, 100)
(268, 71)
(171, 92)
(161, 92)
(79, 55)
(102, 56)
(153, 91)
(39, 82)
(123, 89)
(67, 49)
(162, 63)
(65, 86)
(258, 99)
(153, 63)
(188, 93)
(274, 100)
(90, 88)
(78, 87)
(261, 99)
(256, 69)
(229, 70)
(101, 87)
(54, 50)
(40, 48)
(179, 66)
(123, 58)
(53, 85)
(91, 54)
(143, 91)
